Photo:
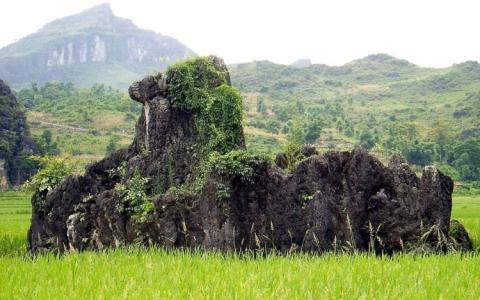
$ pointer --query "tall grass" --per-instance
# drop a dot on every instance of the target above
(154, 273)
(15, 213)
(137, 273)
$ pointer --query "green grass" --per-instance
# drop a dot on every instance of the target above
(15, 213)
(155, 273)
(467, 210)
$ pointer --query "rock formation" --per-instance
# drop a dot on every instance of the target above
(15, 142)
(187, 181)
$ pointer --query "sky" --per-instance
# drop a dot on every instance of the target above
(430, 33)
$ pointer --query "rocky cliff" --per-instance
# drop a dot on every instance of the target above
(15, 142)
(186, 181)
(93, 46)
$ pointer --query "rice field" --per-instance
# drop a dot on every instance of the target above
(157, 274)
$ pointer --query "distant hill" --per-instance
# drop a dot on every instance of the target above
(389, 100)
(301, 63)
(93, 46)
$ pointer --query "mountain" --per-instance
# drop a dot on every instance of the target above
(301, 63)
(89, 47)
(388, 101)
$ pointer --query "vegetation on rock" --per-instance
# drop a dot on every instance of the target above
(52, 172)
(134, 200)
(16, 144)
(197, 86)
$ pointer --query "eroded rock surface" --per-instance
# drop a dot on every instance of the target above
(15, 141)
(334, 201)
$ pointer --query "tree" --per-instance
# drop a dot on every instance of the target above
(466, 157)
(111, 146)
(419, 153)
(46, 144)
(296, 135)
(300, 107)
(273, 126)
(281, 112)
(52, 171)
(367, 140)
(442, 136)
(313, 129)
(261, 108)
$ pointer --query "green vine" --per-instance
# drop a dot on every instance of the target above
(197, 86)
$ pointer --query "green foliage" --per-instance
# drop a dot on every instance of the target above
(296, 134)
(261, 107)
(466, 158)
(293, 155)
(367, 140)
(79, 121)
(112, 145)
(384, 104)
(222, 193)
(197, 86)
(190, 83)
(52, 171)
(273, 126)
(46, 144)
(134, 200)
(419, 153)
(313, 129)
(222, 169)
(237, 164)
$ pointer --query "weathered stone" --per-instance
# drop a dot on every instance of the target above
(459, 235)
(15, 142)
(334, 201)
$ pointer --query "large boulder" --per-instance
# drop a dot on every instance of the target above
(459, 236)
(187, 181)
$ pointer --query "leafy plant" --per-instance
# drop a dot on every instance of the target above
(236, 164)
(134, 200)
(52, 172)
(197, 86)
(293, 155)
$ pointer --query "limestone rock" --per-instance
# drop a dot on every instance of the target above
(460, 236)
(332, 201)
(15, 142)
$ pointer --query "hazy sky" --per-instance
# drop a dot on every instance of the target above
(426, 32)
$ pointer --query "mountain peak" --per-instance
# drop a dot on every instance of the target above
(100, 9)
(301, 63)
(78, 47)
(99, 16)
(382, 59)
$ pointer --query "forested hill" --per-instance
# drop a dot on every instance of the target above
(378, 102)
(94, 46)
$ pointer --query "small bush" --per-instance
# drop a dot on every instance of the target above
(293, 155)
(134, 200)
(236, 164)
(52, 172)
